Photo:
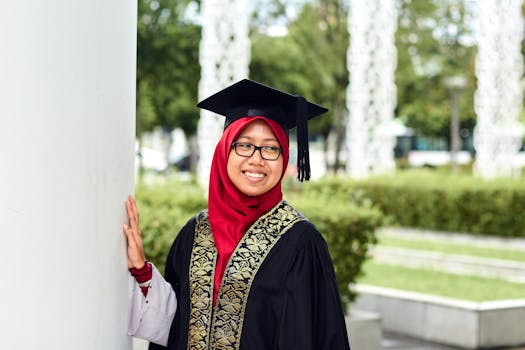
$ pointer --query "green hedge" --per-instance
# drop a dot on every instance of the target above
(348, 226)
(426, 200)
(349, 230)
(165, 207)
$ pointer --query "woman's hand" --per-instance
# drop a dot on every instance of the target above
(136, 256)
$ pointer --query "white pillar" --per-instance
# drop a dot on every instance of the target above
(224, 57)
(67, 111)
(371, 94)
(498, 99)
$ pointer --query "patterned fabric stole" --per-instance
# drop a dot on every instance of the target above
(201, 272)
(223, 328)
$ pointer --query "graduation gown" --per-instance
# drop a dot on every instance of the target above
(278, 292)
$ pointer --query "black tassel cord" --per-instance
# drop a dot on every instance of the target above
(303, 155)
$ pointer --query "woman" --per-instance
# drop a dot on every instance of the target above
(250, 272)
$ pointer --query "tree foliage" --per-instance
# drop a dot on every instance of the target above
(433, 42)
(168, 68)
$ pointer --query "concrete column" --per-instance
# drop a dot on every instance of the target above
(67, 126)
(371, 93)
(225, 58)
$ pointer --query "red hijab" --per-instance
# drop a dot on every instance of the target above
(232, 212)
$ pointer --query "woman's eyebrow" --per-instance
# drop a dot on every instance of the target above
(264, 140)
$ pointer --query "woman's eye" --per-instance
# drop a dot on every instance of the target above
(245, 145)
(272, 149)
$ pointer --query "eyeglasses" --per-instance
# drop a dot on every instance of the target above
(245, 149)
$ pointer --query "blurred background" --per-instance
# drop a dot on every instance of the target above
(301, 46)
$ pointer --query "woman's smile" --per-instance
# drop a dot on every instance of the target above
(255, 175)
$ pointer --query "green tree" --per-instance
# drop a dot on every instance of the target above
(434, 42)
(168, 68)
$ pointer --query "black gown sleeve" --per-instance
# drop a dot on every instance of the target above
(313, 317)
(177, 258)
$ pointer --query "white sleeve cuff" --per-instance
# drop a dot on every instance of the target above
(151, 316)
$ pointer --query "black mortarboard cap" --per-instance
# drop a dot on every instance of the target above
(250, 98)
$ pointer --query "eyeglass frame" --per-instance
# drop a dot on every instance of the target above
(256, 148)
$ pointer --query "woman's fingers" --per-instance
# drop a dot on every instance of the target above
(133, 214)
(134, 208)
(129, 239)
(136, 256)
(128, 211)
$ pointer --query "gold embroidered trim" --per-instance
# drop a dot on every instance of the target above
(241, 269)
(201, 272)
(225, 329)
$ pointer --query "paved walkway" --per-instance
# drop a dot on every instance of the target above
(392, 341)
(140, 344)
(453, 237)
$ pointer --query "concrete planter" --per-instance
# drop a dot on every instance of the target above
(364, 330)
(449, 321)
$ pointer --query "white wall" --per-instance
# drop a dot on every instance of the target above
(67, 124)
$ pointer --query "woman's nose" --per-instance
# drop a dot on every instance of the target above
(256, 157)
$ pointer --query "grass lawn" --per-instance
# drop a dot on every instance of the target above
(472, 288)
(452, 248)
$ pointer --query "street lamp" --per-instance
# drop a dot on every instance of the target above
(455, 85)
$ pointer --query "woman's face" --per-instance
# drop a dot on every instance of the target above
(254, 175)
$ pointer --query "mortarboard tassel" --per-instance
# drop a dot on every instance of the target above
(303, 156)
